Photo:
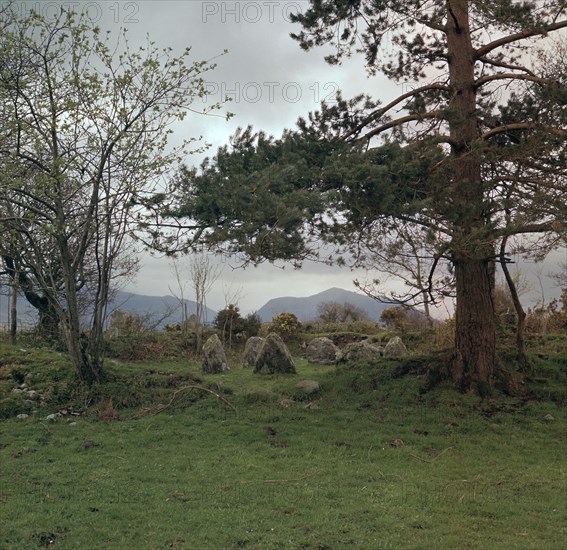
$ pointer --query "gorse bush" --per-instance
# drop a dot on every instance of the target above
(286, 324)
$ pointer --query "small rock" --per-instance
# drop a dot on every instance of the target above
(308, 386)
(72, 424)
(549, 417)
(32, 394)
(17, 390)
(51, 417)
(23, 416)
(88, 443)
(24, 386)
(29, 403)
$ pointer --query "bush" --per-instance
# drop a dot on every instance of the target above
(230, 324)
(252, 324)
(11, 407)
(403, 319)
(333, 312)
(549, 319)
(285, 324)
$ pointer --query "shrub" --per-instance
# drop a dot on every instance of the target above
(286, 325)
(333, 312)
(252, 324)
(229, 323)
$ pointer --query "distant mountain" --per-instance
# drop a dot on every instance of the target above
(162, 310)
(159, 310)
(306, 308)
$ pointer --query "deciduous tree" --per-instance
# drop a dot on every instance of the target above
(87, 120)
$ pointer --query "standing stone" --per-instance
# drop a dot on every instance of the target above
(274, 357)
(322, 351)
(251, 351)
(395, 348)
(362, 351)
(214, 357)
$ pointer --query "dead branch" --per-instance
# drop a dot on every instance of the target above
(162, 408)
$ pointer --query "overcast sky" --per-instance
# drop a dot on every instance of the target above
(271, 82)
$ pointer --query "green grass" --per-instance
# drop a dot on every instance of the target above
(370, 462)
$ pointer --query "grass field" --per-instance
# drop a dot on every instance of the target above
(368, 461)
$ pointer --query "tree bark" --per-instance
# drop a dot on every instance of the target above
(87, 370)
(473, 255)
(475, 341)
(48, 323)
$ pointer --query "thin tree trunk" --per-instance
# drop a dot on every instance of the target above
(14, 312)
(87, 370)
(520, 313)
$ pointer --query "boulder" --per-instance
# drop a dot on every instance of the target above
(395, 348)
(274, 357)
(362, 351)
(251, 350)
(308, 386)
(214, 357)
(322, 351)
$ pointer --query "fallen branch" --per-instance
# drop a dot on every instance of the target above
(433, 459)
(162, 408)
(419, 458)
(441, 453)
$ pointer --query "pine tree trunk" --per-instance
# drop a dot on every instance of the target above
(475, 340)
(473, 252)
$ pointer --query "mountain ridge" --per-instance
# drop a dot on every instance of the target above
(162, 310)
(305, 308)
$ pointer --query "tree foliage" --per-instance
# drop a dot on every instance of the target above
(471, 153)
(230, 323)
(85, 126)
(333, 312)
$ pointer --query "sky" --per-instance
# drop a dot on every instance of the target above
(271, 82)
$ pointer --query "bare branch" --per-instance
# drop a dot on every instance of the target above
(517, 37)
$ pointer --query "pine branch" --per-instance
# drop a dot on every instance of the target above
(517, 37)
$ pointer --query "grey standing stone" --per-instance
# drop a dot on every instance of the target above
(395, 348)
(274, 357)
(251, 351)
(214, 357)
(321, 350)
(362, 351)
